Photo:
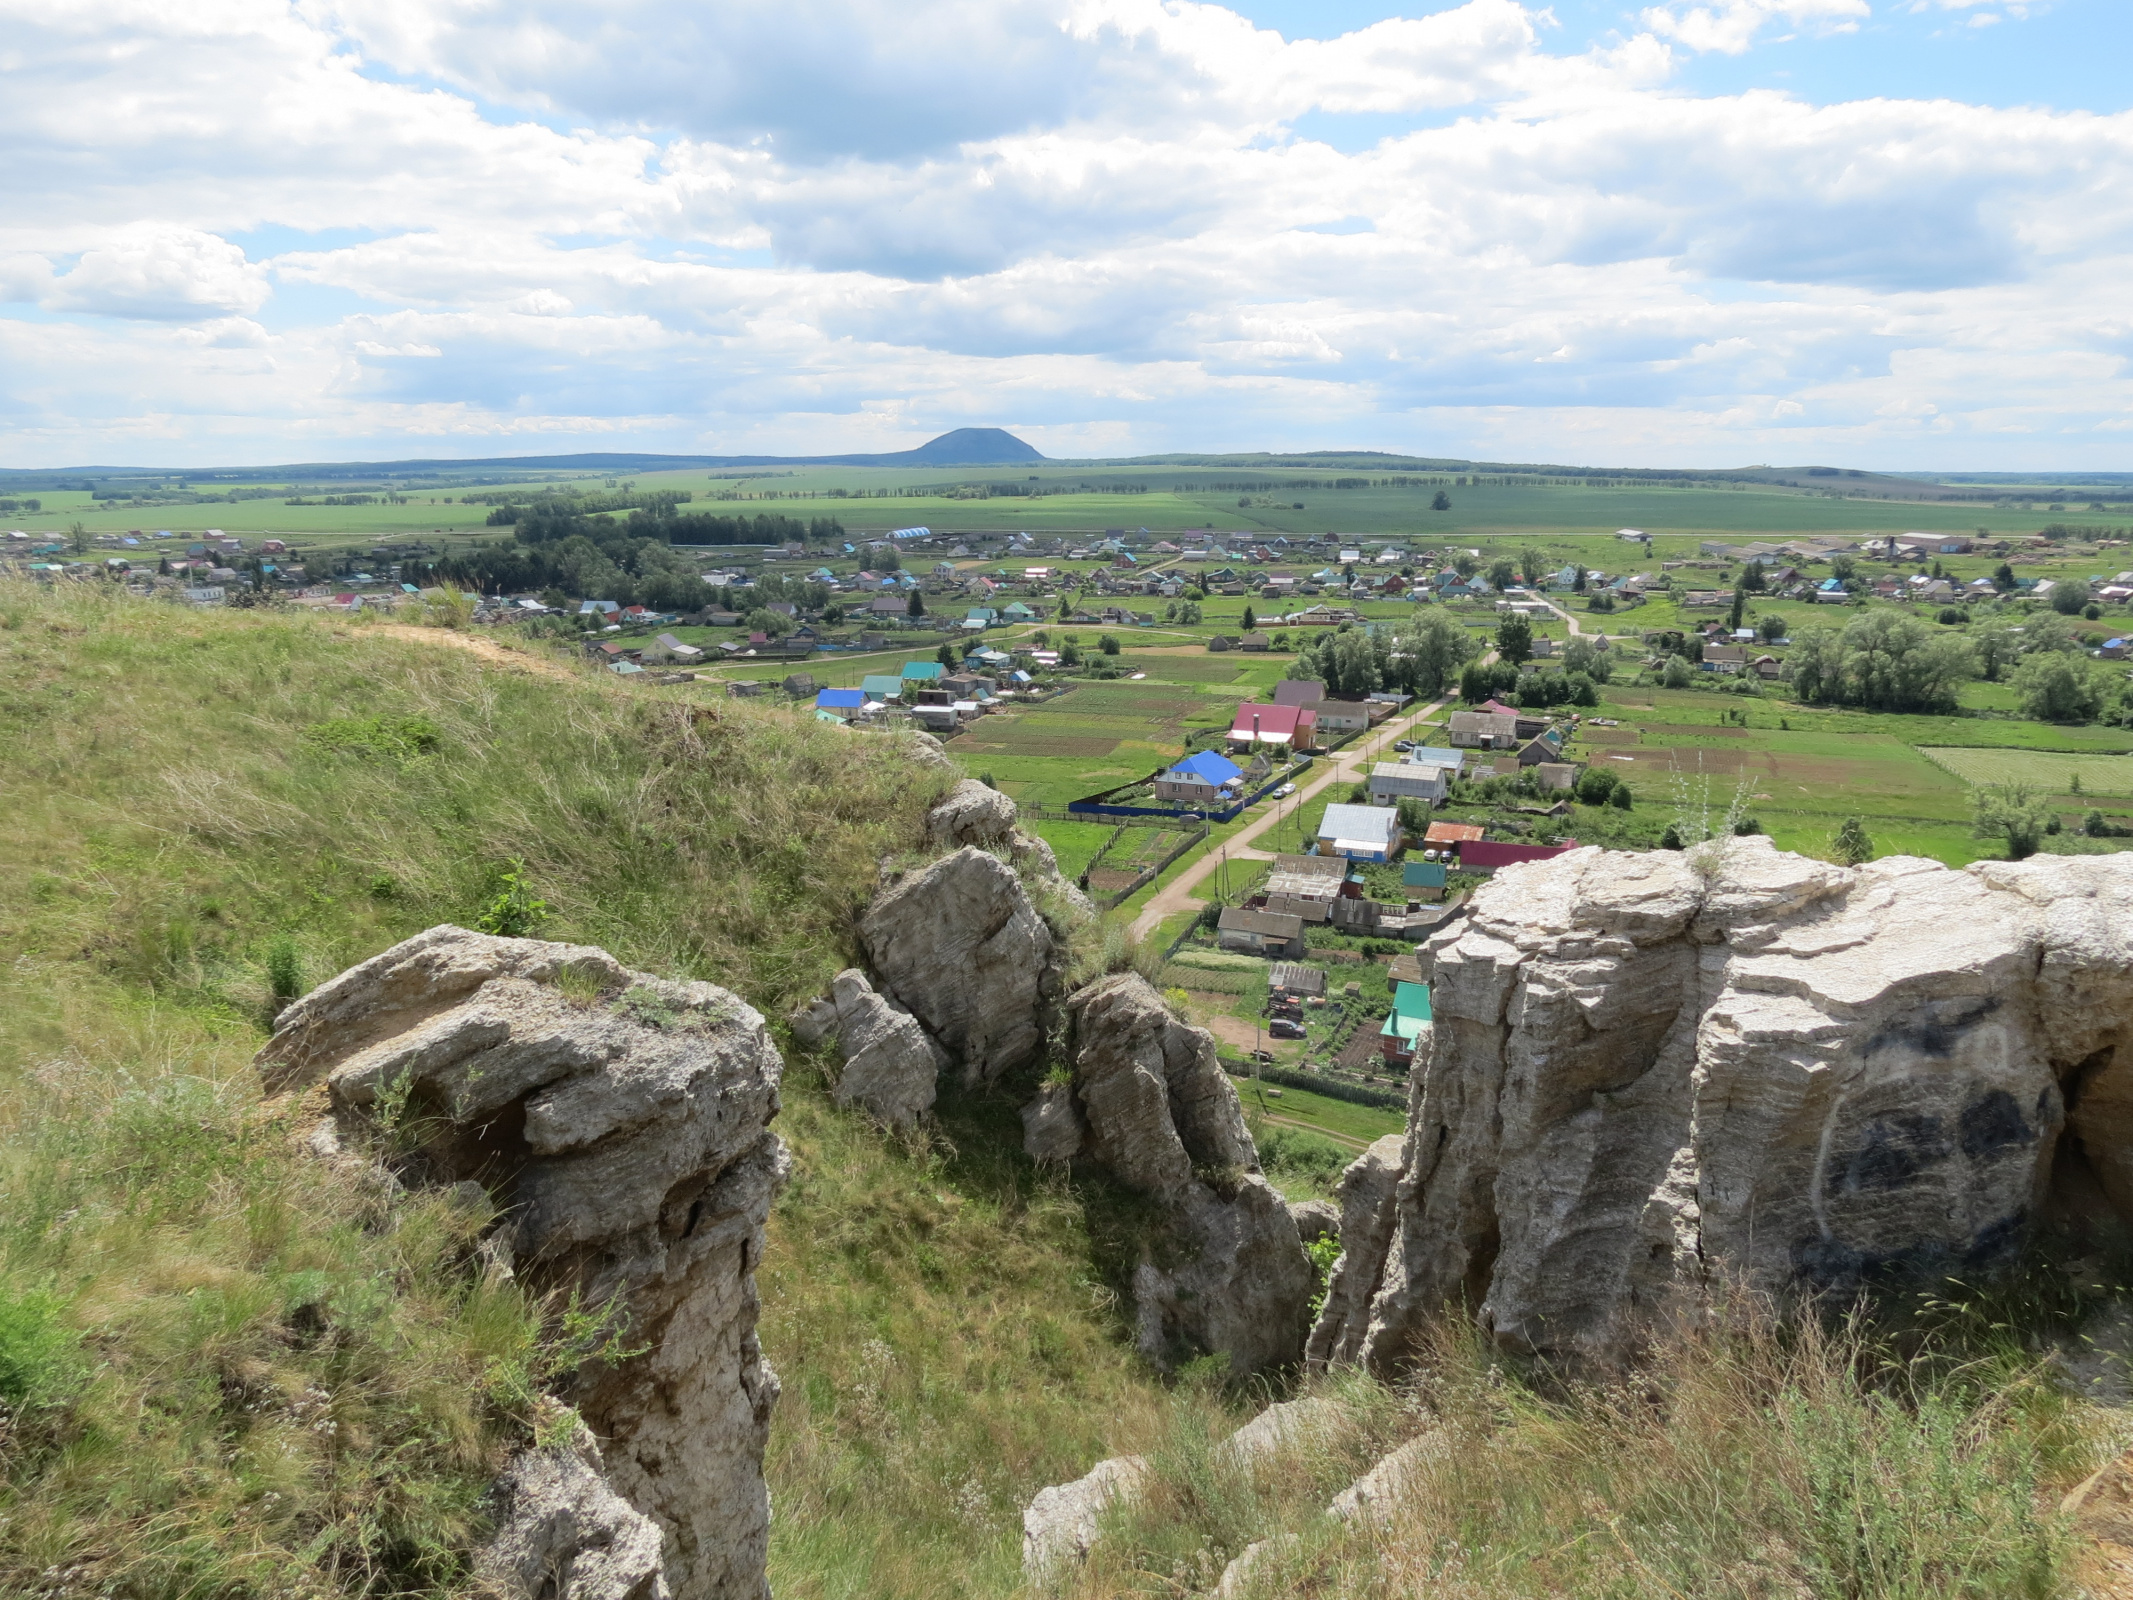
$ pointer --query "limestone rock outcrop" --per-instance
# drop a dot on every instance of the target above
(891, 1069)
(562, 1533)
(1651, 1072)
(1367, 1219)
(960, 945)
(619, 1123)
(1053, 1128)
(1316, 1219)
(971, 813)
(1060, 1526)
(1164, 1119)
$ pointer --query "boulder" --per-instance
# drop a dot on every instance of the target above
(1288, 1425)
(1316, 1219)
(1651, 1072)
(959, 944)
(1366, 1226)
(1252, 1564)
(971, 813)
(928, 752)
(1229, 1273)
(1373, 1496)
(1158, 1102)
(1239, 1282)
(891, 1069)
(562, 1533)
(621, 1122)
(1061, 1524)
(1053, 1128)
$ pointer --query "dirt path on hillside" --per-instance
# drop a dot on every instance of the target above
(474, 644)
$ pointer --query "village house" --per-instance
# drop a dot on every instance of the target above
(1483, 730)
(1203, 778)
(1403, 1028)
(1360, 833)
(1257, 726)
(1394, 781)
(1260, 933)
(1305, 886)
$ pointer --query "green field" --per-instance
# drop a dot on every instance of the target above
(1338, 1117)
(2054, 773)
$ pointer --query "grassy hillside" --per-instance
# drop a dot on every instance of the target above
(224, 1376)
(224, 1373)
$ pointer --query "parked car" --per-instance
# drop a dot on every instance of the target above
(1283, 1028)
(1284, 791)
(1404, 744)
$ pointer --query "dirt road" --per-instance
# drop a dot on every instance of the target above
(1344, 768)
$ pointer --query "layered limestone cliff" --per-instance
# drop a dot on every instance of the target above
(1648, 1073)
(619, 1124)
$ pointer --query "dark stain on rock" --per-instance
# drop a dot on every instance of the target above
(1831, 1266)
(1892, 1152)
(1935, 1028)
(1993, 1125)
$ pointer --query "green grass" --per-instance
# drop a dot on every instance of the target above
(2055, 774)
(1350, 1121)
(1744, 1461)
(187, 1302)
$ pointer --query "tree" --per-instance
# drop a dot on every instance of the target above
(1442, 502)
(2069, 597)
(1429, 651)
(2011, 811)
(1595, 786)
(1676, 674)
(1584, 655)
(1514, 639)
(77, 537)
(1671, 839)
(1852, 846)
(1751, 578)
(1465, 565)
(1475, 684)
(945, 655)
(1249, 620)
(2057, 687)
(1771, 628)
(1502, 575)
(916, 605)
(1070, 654)
(1529, 566)
(1108, 644)
(2003, 578)
(1843, 569)
(1994, 649)
(1620, 798)
(1740, 606)
(1577, 584)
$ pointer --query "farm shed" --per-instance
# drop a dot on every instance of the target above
(1260, 933)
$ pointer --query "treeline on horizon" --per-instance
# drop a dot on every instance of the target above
(562, 551)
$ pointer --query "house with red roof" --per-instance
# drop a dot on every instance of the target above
(1274, 728)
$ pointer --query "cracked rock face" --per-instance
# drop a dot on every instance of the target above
(961, 946)
(620, 1124)
(1164, 1118)
(563, 1532)
(1648, 1071)
(1366, 1226)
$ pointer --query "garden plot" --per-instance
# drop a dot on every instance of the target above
(2055, 773)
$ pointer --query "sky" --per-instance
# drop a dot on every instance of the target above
(1892, 234)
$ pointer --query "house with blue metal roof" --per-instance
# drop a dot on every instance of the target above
(1204, 778)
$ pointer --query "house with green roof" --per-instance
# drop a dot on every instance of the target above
(1408, 1027)
(922, 671)
(881, 686)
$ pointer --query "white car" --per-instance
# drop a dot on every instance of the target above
(1284, 791)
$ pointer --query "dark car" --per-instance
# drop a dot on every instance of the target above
(1283, 1028)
